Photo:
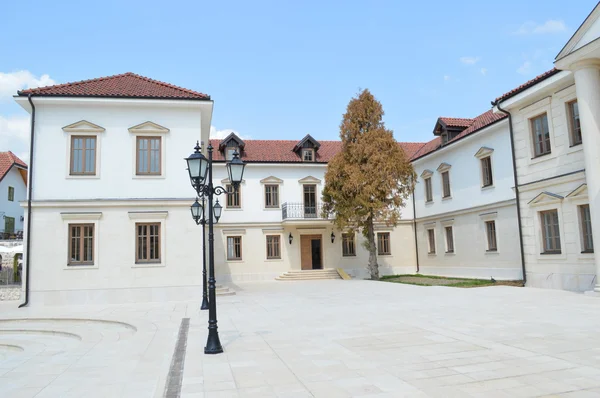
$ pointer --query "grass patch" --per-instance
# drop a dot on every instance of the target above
(431, 280)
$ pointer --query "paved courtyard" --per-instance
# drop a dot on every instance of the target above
(328, 339)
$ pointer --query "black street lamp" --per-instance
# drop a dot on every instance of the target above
(199, 216)
(200, 170)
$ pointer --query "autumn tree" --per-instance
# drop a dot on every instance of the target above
(370, 179)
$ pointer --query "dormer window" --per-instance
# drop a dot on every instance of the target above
(307, 149)
(308, 155)
(231, 144)
(449, 128)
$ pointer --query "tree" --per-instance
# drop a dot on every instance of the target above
(370, 179)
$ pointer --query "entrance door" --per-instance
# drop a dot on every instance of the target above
(311, 252)
(310, 201)
(9, 225)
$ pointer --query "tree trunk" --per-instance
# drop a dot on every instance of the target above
(373, 266)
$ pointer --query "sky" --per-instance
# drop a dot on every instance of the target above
(284, 69)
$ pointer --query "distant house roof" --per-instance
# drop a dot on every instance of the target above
(456, 122)
(281, 151)
(485, 119)
(7, 161)
(126, 85)
(528, 84)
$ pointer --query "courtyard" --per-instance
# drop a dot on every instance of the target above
(329, 338)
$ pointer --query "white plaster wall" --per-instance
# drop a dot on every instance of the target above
(255, 266)
(12, 209)
(115, 277)
(116, 148)
(465, 173)
(471, 258)
(570, 270)
(564, 158)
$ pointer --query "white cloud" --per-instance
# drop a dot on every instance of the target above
(484, 71)
(219, 134)
(533, 28)
(14, 135)
(470, 60)
(12, 82)
(524, 69)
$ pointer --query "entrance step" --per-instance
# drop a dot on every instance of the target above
(223, 291)
(312, 274)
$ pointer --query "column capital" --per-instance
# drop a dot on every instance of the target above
(590, 63)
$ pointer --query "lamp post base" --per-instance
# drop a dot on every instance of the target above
(213, 344)
(204, 305)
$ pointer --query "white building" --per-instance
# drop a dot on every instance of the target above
(13, 189)
(465, 205)
(274, 223)
(110, 216)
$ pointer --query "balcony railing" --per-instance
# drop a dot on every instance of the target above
(300, 211)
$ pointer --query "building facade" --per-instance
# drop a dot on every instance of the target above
(465, 205)
(13, 190)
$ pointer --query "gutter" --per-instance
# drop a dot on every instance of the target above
(30, 191)
(415, 229)
(516, 181)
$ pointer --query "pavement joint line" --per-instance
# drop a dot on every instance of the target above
(175, 376)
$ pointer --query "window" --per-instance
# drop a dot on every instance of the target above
(486, 171)
(81, 244)
(147, 248)
(550, 232)
(574, 123)
(308, 155)
(9, 225)
(383, 243)
(431, 240)
(233, 197)
(449, 240)
(229, 151)
(446, 184)
(273, 247)
(11, 194)
(234, 248)
(348, 248)
(490, 231)
(271, 195)
(541, 135)
(428, 190)
(148, 155)
(83, 155)
(585, 219)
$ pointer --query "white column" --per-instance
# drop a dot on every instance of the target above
(587, 82)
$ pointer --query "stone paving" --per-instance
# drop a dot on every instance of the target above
(329, 338)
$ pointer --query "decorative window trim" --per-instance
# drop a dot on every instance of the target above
(579, 193)
(481, 174)
(81, 218)
(83, 155)
(541, 107)
(491, 216)
(426, 174)
(226, 181)
(280, 236)
(148, 128)
(137, 217)
(83, 126)
(239, 193)
(309, 180)
(570, 126)
(444, 196)
(447, 223)
(236, 232)
(443, 167)
(278, 206)
(484, 152)
(539, 234)
(428, 186)
(545, 198)
(271, 180)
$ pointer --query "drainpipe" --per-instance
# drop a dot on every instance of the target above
(30, 186)
(415, 229)
(514, 165)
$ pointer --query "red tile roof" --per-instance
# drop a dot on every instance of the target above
(456, 122)
(478, 123)
(281, 151)
(7, 160)
(528, 84)
(126, 85)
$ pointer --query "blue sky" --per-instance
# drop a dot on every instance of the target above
(282, 69)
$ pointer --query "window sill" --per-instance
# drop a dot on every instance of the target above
(92, 266)
(487, 187)
(430, 202)
(149, 177)
(384, 254)
(432, 254)
(234, 261)
(148, 265)
(83, 177)
(233, 208)
(272, 208)
(271, 260)
(348, 255)
(450, 253)
(542, 158)
(491, 252)
(447, 198)
(550, 253)
(588, 252)
(575, 149)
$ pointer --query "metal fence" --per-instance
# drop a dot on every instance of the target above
(300, 211)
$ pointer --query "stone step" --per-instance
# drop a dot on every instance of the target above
(223, 291)
(297, 275)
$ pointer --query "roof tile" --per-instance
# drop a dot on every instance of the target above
(528, 84)
(7, 160)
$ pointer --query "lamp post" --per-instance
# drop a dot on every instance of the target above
(199, 216)
(200, 171)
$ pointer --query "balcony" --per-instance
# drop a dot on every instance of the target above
(300, 211)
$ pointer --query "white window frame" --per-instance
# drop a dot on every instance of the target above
(445, 168)
(482, 153)
(575, 199)
(136, 217)
(80, 218)
(427, 175)
(484, 218)
(531, 112)
(149, 130)
(540, 236)
(431, 227)
(266, 232)
(83, 128)
(272, 180)
(448, 224)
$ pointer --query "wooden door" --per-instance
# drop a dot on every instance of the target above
(306, 247)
